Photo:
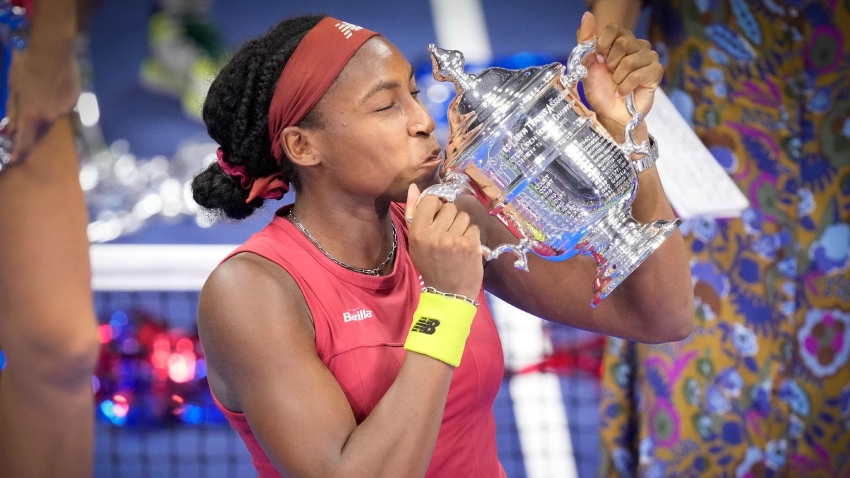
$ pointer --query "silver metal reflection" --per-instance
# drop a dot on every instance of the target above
(7, 144)
(524, 145)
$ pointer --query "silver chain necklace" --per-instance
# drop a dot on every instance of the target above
(372, 272)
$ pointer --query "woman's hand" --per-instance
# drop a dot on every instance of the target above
(622, 64)
(44, 84)
(444, 245)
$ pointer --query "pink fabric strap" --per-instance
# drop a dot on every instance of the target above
(273, 186)
(238, 172)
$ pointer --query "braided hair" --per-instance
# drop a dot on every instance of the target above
(236, 116)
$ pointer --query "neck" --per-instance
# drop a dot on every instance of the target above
(358, 234)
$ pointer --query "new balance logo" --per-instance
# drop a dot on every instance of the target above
(356, 315)
(426, 326)
(346, 28)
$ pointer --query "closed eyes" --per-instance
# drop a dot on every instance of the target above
(415, 95)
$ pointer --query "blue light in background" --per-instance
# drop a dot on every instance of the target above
(118, 322)
(192, 414)
(115, 412)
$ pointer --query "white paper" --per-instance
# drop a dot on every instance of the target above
(693, 180)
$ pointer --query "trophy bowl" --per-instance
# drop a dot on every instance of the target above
(523, 144)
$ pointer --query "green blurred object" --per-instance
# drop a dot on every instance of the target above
(184, 56)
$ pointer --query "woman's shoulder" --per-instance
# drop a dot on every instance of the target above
(245, 269)
(248, 284)
(249, 310)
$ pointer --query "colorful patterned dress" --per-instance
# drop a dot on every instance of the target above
(762, 387)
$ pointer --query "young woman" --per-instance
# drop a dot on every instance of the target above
(324, 350)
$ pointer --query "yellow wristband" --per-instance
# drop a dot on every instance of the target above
(440, 327)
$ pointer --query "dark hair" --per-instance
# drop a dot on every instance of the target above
(236, 115)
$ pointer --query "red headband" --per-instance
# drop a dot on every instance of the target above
(311, 69)
(313, 66)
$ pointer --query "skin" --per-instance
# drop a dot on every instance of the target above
(624, 13)
(47, 325)
(44, 80)
(368, 151)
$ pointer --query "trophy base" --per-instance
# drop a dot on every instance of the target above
(619, 244)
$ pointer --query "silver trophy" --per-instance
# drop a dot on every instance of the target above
(524, 145)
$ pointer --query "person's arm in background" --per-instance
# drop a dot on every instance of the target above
(44, 82)
(625, 13)
(48, 330)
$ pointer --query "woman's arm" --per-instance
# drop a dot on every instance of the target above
(653, 305)
(44, 82)
(622, 12)
(262, 359)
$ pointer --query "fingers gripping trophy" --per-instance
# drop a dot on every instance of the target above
(524, 145)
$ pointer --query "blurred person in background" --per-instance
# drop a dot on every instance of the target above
(762, 387)
(185, 52)
(47, 326)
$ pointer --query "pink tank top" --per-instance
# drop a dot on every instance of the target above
(361, 324)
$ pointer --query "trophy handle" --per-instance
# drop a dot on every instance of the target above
(456, 185)
(619, 244)
(576, 71)
(449, 189)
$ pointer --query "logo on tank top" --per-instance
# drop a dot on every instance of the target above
(356, 315)
(346, 28)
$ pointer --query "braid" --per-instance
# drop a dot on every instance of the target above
(236, 115)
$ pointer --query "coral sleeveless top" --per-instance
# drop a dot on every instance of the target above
(361, 324)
